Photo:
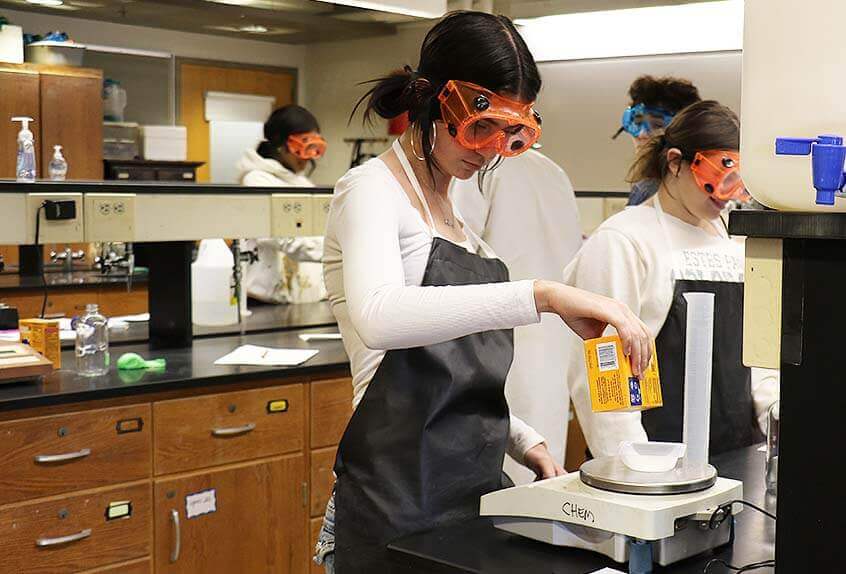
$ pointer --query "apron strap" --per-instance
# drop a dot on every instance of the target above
(409, 173)
(474, 239)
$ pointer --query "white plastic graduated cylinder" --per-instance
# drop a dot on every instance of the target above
(698, 354)
(793, 86)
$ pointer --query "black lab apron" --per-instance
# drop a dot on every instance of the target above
(733, 420)
(429, 436)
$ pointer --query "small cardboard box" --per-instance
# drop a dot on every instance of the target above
(43, 336)
(612, 385)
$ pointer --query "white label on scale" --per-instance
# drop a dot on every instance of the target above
(200, 503)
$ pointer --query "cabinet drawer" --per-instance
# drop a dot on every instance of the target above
(205, 431)
(143, 566)
(331, 408)
(73, 533)
(322, 479)
(61, 453)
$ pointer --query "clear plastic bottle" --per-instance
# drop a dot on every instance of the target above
(25, 163)
(92, 343)
(58, 167)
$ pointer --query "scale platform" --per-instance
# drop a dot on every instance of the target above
(566, 511)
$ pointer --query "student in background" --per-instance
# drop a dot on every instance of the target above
(287, 269)
(653, 104)
(525, 209)
(649, 256)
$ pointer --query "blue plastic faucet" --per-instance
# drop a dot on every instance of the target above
(828, 155)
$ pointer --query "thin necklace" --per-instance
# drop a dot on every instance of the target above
(448, 221)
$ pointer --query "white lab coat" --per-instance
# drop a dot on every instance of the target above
(288, 269)
(527, 213)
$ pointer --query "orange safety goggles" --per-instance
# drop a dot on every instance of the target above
(479, 118)
(717, 172)
(308, 145)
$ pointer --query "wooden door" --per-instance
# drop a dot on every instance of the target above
(72, 116)
(256, 522)
(195, 79)
(18, 97)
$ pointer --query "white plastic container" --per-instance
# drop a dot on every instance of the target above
(11, 44)
(55, 53)
(651, 456)
(164, 143)
(793, 86)
(213, 301)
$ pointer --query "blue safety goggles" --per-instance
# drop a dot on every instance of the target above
(641, 118)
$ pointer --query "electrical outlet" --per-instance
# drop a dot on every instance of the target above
(291, 215)
(320, 213)
(54, 231)
(109, 217)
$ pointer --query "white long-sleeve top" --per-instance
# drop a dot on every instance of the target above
(631, 259)
(376, 249)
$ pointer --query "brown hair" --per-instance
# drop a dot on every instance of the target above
(668, 93)
(706, 125)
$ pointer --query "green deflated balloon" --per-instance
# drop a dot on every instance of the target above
(134, 361)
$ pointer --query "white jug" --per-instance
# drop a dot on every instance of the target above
(213, 300)
(793, 86)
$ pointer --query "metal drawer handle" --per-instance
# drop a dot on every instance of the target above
(44, 458)
(42, 542)
(232, 431)
(177, 536)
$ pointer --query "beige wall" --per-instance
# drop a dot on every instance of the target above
(582, 102)
(333, 72)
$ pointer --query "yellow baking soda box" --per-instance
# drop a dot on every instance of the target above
(612, 385)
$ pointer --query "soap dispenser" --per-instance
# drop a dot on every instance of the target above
(25, 166)
(58, 166)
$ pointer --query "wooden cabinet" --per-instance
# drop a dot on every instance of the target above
(242, 518)
(50, 455)
(150, 486)
(75, 533)
(72, 116)
(322, 479)
(19, 91)
(112, 299)
(217, 429)
(331, 409)
(67, 106)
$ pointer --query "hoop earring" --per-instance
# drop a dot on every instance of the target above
(434, 139)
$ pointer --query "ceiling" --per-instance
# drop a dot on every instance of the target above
(291, 21)
(282, 21)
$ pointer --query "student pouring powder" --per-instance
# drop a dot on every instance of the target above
(425, 309)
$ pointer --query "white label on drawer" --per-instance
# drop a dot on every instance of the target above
(200, 503)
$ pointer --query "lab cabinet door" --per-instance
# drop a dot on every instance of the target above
(19, 96)
(72, 116)
(239, 518)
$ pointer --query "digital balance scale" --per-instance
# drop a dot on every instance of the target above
(638, 507)
(610, 509)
